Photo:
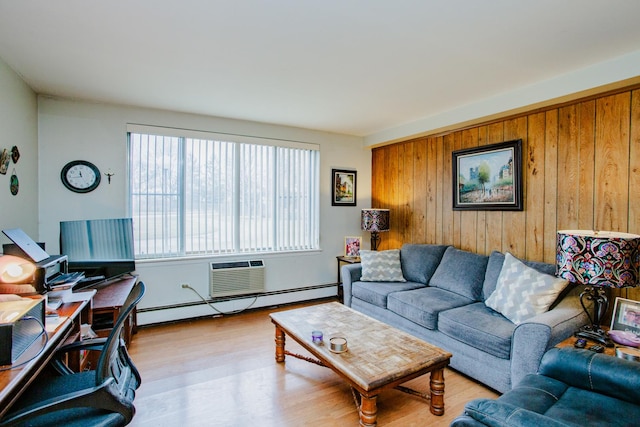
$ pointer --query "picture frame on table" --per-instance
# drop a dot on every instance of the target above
(626, 316)
(343, 187)
(488, 177)
(352, 246)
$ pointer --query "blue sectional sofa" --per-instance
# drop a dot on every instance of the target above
(443, 300)
(572, 388)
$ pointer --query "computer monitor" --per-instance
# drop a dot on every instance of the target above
(99, 247)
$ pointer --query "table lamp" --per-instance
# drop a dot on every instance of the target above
(598, 260)
(375, 221)
(14, 269)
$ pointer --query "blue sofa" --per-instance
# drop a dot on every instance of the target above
(443, 303)
(572, 388)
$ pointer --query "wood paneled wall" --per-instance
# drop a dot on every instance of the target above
(581, 170)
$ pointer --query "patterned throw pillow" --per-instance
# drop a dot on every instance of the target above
(381, 266)
(522, 292)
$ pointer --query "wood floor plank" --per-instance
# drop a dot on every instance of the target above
(222, 372)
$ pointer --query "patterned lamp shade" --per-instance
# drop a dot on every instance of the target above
(375, 220)
(598, 258)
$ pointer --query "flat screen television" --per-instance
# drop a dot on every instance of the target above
(98, 247)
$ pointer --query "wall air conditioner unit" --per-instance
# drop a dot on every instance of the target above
(236, 278)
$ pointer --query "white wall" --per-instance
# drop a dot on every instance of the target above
(71, 130)
(19, 127)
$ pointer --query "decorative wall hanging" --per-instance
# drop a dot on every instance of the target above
(14, 184)
(343, 188)
(5, 158)
(488, 177)
(109, 174)
(15, 154)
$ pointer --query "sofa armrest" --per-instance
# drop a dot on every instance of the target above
(350, 273)
(499, 414)
(532, 338)
(587, 370)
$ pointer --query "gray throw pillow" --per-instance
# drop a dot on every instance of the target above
(381, 266)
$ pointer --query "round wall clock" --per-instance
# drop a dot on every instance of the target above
(80, 176)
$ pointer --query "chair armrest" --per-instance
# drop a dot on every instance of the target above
(88, 344)
(350, 273)
(587, 370)
(498, 414)
(532, 338)
(57, 362)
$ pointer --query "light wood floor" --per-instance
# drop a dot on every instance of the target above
(222, 372)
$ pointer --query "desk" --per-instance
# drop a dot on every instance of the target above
(14, 381)
(107, 305)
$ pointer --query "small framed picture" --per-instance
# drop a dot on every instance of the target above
(352, 246)
(343, 187)
(626, 316)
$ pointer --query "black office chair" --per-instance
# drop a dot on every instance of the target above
(103, 397)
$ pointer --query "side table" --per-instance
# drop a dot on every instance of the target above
(611, 351)
(347, 260)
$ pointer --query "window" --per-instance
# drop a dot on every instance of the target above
(196, 193)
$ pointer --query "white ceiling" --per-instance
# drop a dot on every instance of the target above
(356, 67)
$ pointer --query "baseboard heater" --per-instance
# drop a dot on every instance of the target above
(236, 278)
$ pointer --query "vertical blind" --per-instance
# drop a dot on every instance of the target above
(221, 194)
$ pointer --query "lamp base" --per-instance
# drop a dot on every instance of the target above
(594, 333)
(375, 240)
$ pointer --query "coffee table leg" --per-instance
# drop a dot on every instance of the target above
(279, 344)
(437, 392)
(368, 411)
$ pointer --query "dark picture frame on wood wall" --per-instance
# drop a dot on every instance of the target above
(343, 187)
(488, 177)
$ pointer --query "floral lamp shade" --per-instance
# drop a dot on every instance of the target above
(375, 220)
(599, 258)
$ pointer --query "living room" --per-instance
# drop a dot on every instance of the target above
(579, 126)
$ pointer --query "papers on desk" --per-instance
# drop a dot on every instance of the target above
(51, 323)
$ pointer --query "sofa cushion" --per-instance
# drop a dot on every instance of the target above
(376, 292)
(422, 305)
(381, 266)
(494, 266)
(480, 327)
(419, 262)
(461, 272)
(522, 292)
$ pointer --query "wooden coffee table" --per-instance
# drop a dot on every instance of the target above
(378, 356)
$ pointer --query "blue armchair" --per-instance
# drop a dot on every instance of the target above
(572, 388)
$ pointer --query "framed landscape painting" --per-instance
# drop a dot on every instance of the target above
(488, 177)
(343, 188)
